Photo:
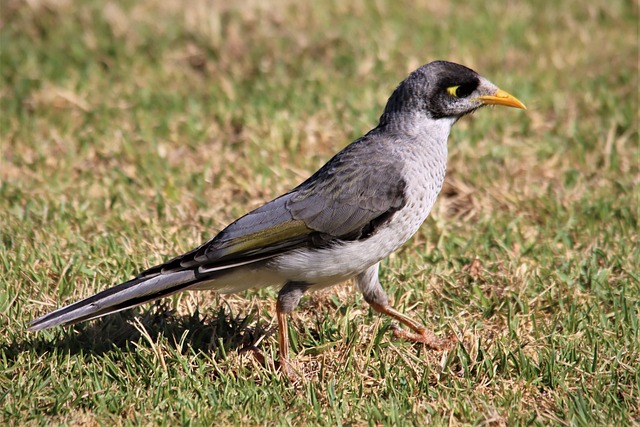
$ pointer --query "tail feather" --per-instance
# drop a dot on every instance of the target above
(118, 298)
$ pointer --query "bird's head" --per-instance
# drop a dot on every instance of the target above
(444, 89)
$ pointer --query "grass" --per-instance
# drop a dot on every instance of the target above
(133, 131)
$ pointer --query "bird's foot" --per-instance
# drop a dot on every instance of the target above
(424, 336)
(284, 366)
(286, 369)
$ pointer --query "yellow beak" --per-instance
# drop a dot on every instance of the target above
(502, 98)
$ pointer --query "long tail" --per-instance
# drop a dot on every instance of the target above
(152, 284)
(118, 298)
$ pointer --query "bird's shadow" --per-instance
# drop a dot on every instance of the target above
(216, 333)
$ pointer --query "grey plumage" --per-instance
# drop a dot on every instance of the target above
(358, 208)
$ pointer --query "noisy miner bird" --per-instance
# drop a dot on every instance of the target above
(358, 208)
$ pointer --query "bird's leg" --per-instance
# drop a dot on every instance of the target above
(369, 285)
(288, 299)
(283, 331)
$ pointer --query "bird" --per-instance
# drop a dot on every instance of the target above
(357, 209)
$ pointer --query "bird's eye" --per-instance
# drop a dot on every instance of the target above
(461, 91)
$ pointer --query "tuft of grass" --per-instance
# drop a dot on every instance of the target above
(132, 131)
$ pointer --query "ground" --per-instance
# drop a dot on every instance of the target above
(131, 131)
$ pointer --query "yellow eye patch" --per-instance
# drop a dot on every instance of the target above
(453, 90)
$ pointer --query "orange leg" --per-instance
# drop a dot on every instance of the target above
(421, 333)
(285, 362)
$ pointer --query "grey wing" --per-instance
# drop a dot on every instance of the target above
(356, 191)
(260, 234)
(361, 187)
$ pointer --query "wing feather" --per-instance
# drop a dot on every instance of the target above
(342, 201)
(350, 191)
